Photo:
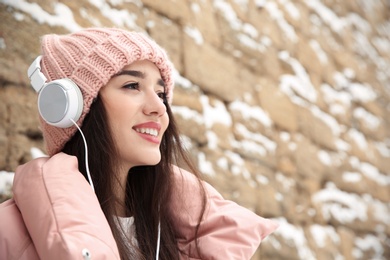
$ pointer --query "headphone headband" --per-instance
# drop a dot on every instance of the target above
(37, 78)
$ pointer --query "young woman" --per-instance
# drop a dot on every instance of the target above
(110, 188)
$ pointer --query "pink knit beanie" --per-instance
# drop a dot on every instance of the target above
(90, 58)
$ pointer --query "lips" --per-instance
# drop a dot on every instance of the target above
(149, 131)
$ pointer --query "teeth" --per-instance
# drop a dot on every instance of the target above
(149, 131)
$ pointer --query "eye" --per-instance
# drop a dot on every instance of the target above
(132, 85)
(162, 96)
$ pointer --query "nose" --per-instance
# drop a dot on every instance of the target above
(153, 104)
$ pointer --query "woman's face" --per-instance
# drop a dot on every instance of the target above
(137, 116)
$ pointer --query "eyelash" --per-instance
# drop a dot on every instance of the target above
(162, 96)
(135, 86)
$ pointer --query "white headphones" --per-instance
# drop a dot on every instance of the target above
(59, 101)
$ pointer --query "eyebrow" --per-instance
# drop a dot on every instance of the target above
(138, 74)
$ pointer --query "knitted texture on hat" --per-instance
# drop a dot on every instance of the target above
(90, 58)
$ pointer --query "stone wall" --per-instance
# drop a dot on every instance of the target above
(283, 104)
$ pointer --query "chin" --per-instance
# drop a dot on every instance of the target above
(150, 162)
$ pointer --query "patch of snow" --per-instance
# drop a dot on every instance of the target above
(342, 145)
(3, 46)
(212, 140)
(278, 16)
(379, 209)
(382, 44)
(238, 164)
(285, 136)
(150, 24)
(339, 101)
(279, 196)
(321, 54)
(322, 233)
(253, 148)
(370, 120)
(194, 34)
(266, 41)
(363, 47)
(369, 243)
(6, 181)
(223, 163)
(286, 182)
(267, 143)
(349, 73)
(295, 236)
(37, 153)
(262, 179)
(274, 242)
(19, 16)
(328, 120)
(352, 177)
(358, 138)
(182, 81)
(62, 17)
(369, 6)
(119, 17)
(361, 92)
(251, 43)
(300, 82)
(167, 21)
(324, 157)
(138, 3)
(292, 146)
(229, 14)
(331, 159)
(291, 9)
(186, 142)
(327, 15)
(260, 3)
(93, 20)
(342, 206)
(336, 109)
(242, 3)
(372, 172)
(215, 113)
(250, 113)
(195, 8)
(250, 30)
(383, 149)
(188, 114)
(205, 167)
(247, 34)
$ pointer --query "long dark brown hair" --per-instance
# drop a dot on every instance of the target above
(148, 188)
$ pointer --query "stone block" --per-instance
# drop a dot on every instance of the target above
(219, 77)
(176, 10)
(169, 35)
(307, 161)
(279, 106)
(315, 128)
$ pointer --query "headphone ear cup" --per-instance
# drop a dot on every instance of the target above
(60, 101)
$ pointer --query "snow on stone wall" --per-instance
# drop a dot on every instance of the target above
(283, 104)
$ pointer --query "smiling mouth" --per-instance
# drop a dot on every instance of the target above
(149, 131)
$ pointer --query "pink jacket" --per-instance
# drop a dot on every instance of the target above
(55, 215)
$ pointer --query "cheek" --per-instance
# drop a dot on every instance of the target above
(117, 117)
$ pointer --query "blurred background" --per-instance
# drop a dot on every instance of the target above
(284, 106)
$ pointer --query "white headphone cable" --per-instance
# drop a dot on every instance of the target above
(158, 240)
(86, 155)
(91, 183)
